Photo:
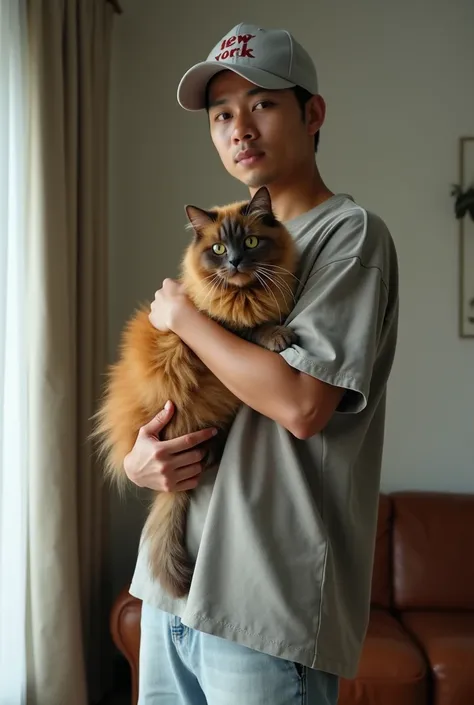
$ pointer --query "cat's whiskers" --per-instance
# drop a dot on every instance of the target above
(210, 276)
(265, 285)
(212, 285)
(223, 291)
(209, 281)
(273, 283)
(279, 277)
(283, 269)
(278, 281)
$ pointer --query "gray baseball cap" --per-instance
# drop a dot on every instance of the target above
(269, 58)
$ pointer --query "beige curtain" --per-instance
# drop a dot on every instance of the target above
(69, 648)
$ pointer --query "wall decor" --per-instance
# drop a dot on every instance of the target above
(464, 212)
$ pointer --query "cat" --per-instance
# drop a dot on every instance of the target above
(240, 270)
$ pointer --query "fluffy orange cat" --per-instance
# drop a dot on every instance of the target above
(239, 269)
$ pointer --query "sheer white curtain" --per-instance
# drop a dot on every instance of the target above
(13, 358)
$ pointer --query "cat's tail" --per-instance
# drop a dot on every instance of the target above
(165, 530)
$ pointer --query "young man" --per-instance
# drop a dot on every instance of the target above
(283, 534)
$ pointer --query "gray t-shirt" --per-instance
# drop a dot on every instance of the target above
(284, 532)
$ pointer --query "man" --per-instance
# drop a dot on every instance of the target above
(283, 533)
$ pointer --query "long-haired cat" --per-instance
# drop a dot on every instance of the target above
(239, 270)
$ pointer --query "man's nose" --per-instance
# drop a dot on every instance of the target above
(244, 130)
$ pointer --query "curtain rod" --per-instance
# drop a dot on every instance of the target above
(116, 5)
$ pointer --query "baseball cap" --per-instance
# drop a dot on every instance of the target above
(269, 58)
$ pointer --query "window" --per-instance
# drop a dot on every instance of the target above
(13, 346)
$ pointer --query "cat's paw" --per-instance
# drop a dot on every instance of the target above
(273, 337)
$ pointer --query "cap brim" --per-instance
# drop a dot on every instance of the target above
(192, 87)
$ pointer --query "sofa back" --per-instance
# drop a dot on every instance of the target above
(433, 550)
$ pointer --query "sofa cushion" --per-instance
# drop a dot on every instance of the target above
(381, 576)
(392, 669)
(433, 533)
(448, 642)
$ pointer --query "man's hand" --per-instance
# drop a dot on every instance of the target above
(169, 302)
(166, 466)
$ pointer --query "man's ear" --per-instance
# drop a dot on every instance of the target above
(315, 112)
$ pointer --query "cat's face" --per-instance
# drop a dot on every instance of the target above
(238, 245)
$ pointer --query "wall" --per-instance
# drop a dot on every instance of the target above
(397, 79)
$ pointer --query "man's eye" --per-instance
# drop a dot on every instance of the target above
(222, 116)
(264, 104)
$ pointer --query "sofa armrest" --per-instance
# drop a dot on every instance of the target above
(125, 630)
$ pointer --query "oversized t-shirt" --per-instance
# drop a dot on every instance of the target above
(283, 533)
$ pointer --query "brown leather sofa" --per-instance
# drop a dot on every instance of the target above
(419, 648)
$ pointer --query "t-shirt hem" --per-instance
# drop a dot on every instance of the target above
(239, 635)
(279, 649)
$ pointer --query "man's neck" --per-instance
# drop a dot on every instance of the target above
(301, 195)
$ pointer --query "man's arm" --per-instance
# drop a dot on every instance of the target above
(261, 379)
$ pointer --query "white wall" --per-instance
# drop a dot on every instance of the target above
(397, 78)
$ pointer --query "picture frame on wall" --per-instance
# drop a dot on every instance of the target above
(466, 241)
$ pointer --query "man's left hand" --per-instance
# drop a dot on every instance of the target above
(169, 302)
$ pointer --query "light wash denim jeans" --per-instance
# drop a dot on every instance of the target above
(181, 666)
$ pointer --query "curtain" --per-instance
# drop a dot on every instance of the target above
(54, 78)
(69, 44)
(14, 435)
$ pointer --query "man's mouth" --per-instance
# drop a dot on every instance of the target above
(248, 157)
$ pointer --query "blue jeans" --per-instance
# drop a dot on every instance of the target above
(181, 666)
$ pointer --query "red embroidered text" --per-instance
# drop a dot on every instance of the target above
(228, 50)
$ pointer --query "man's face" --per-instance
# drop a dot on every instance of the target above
(260, 135)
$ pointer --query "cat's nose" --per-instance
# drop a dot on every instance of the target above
(235, 261)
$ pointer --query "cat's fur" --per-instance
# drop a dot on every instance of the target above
(155, 366)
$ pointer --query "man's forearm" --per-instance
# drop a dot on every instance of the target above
(259, 378)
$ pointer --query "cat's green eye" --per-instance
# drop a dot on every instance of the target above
(219, 249)
(251, 242)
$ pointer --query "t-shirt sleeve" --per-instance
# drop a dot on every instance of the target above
(338, 320)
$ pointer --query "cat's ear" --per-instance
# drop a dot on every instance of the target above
(261, 203)
(199, 218)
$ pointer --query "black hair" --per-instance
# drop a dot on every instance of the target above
(301, 95)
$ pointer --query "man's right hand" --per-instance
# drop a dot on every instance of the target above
(166, 466)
